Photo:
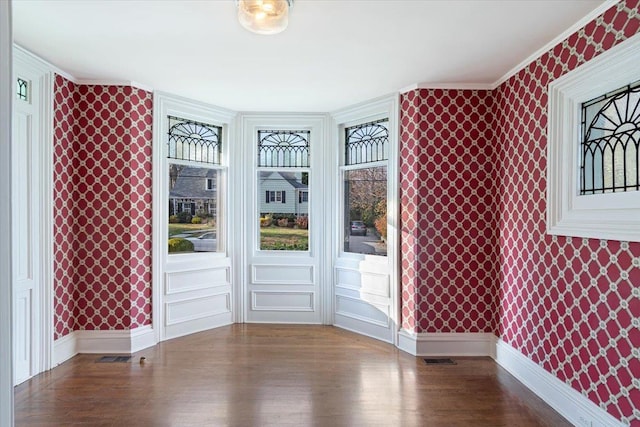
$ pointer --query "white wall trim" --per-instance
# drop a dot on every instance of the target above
(6, 298)
(457, 86)
(569, 403)
(447, 344)
(48, 65)
(601, 216)
(167, 104)
(24, 60)
(124, 341)
(108, 82)
(64, 348)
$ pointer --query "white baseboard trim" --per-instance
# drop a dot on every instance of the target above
(64, 348)
(142, 338)
(447, 344)
(124, 341)
(111, 342)
(569, 403)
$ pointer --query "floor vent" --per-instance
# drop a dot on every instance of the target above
(113, 359)
(439, 362)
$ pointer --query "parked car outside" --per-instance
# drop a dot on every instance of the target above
(205, 243)
(358, 228)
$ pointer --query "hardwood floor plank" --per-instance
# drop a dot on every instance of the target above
(278, 375)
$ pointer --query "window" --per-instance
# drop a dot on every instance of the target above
(283, 171)
(609, 146)
(365, 187)
(303, 197)
(275, 196)
(194, 154)
(593, 154)
(22, 89)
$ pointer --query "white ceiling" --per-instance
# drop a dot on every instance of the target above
(335, 52)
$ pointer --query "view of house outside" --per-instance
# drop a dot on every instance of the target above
(283, 200)
(193, 209)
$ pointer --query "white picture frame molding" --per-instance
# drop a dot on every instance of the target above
(614, 216)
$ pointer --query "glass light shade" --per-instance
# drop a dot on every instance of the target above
(264, 16)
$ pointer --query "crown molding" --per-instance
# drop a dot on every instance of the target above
(89, 82)
(108, 82)
(446, 86)
(44, 63)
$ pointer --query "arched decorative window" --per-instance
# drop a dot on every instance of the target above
(611, 134)
(193, 141)
(367, 143)
(283, 148)
(365, 191)
(194, 157)
(593, 176)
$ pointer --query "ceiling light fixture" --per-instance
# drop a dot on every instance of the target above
(264, 16)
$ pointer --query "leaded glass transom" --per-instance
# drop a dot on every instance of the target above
(194, 141)
(283, 148)
(610, 155)
(22, 89)
(367, 143)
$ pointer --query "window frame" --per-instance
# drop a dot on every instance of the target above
(613, 216)
(220, 196)
(344, 168)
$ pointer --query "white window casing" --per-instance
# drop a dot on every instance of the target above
(614, 216)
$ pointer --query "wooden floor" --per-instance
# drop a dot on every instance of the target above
(274, 375)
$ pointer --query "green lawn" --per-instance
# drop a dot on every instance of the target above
(283, 239)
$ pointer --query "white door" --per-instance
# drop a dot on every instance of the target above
(366, 257)
(25, 221)
(192, 265)
(284, 218)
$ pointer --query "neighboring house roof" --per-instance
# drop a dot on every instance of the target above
(290, 177)
(192, 184)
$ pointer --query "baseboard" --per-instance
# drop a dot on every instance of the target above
(447, 344)
(569, 403)
(64, 348)
(111, 342)
(142, 338)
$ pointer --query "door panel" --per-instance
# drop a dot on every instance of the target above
(25, 222)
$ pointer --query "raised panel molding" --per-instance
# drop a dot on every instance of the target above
(192, 280)
(298, 300)
(364, 311)
(270, 274)
(205, 306)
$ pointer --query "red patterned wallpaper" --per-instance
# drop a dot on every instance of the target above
(141, 213)
(448, 222)
(111, 198)
(571, 305)
(65, 210)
